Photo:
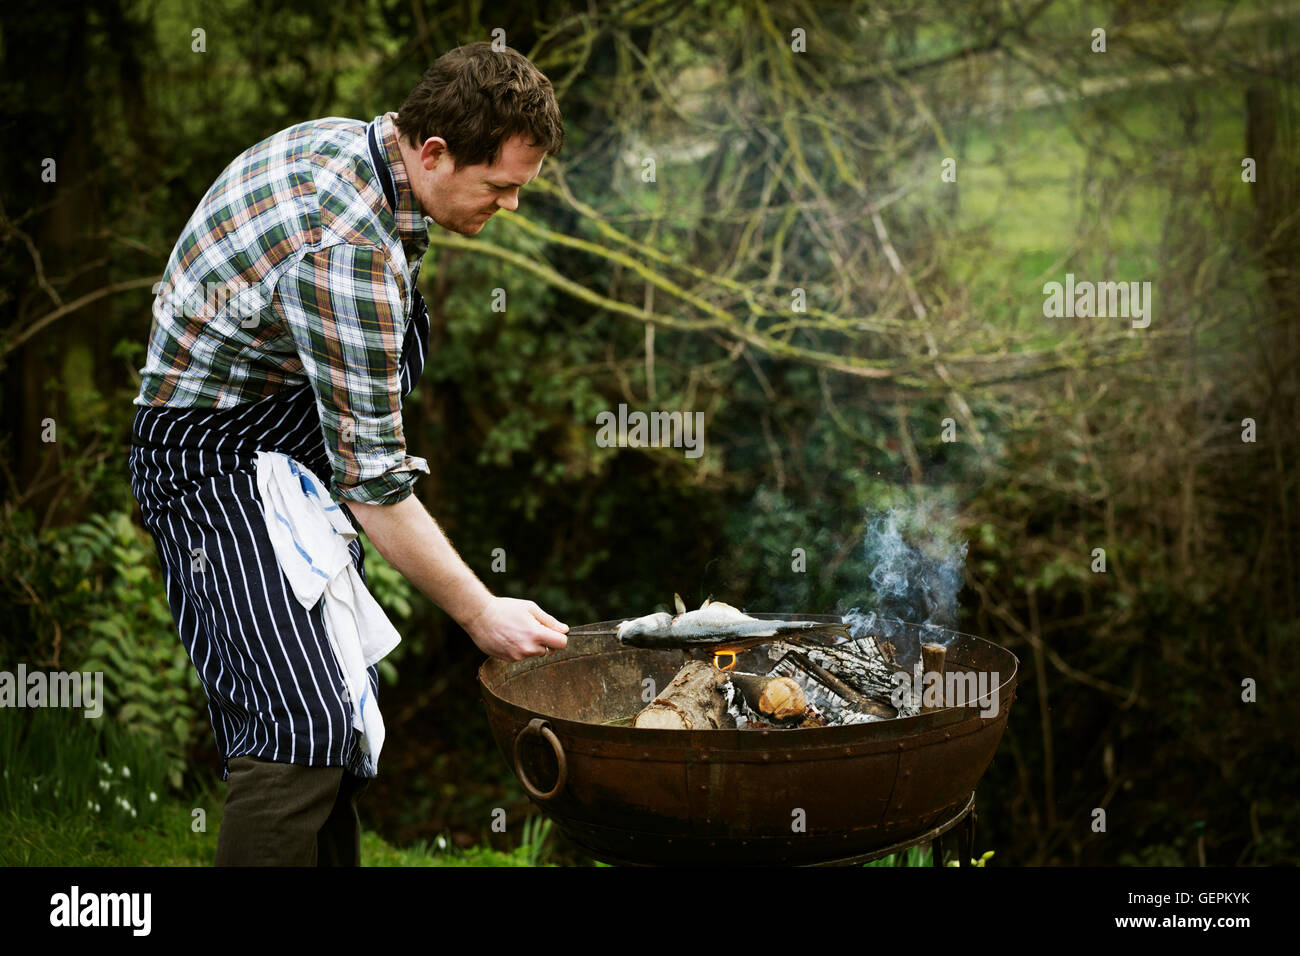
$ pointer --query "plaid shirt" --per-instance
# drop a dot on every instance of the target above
(293, 270)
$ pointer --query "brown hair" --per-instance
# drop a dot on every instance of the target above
(476, 98)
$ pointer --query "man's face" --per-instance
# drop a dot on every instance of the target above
(464, 199)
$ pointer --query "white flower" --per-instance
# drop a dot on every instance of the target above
(126, 771)
(90, 804)
(442, 843)
(97, 808)
(107, 768)
(133, 814)
(103, 785)
(153, 797)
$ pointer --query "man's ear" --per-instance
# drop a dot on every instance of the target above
(433, 152)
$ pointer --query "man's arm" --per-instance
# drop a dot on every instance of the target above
(346, 316)
(411, 541)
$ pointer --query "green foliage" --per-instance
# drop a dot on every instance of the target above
(532, 846)
(394, 594)
(531, 851)
(101, 607)
(35, 836)
(56, 761)
(912, 856)
(149, 682)
(923, 856)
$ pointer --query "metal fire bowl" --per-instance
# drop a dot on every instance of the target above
(733, 797)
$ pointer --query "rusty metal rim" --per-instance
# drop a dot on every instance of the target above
(581, 738)
(1002, 691)
(863, 738)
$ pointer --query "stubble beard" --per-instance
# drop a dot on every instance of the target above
(469, 226)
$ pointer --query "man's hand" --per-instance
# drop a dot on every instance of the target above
(511, 629)
(411, 541)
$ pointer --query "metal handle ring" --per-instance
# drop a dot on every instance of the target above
(539, 727)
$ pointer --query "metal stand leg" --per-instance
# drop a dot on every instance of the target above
(964, 843)
(966, 840)
(963, 836)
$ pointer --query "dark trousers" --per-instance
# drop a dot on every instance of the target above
(283, 814)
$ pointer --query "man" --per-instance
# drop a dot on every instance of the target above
(288, 320)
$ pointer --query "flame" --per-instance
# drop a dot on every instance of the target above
(719, 655)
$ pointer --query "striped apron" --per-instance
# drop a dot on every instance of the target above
(273, 685)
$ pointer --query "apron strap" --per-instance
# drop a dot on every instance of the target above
(381, 167)
(419, 312)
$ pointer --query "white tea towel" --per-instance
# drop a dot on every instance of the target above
(310, 535)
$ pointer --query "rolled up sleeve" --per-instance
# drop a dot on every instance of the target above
(343, 308)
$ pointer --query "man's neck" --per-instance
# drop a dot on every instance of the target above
(404, 163)
(411, 160)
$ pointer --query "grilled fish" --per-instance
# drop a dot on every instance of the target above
(713, 624)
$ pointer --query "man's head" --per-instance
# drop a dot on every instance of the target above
(475, 128)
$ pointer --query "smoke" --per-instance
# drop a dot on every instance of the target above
(917, 569)
(916, 580)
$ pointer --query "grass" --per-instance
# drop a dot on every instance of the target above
(57, 762)
(36, 837)
(532, 851)
(78, 792)
(919, 856)
(43, 838)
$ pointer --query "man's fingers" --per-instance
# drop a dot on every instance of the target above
(525, 630)
(548, 638)
(547, 619)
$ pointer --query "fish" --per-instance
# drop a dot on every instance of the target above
(714, 624)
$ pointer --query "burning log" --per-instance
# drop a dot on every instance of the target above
(779, 697)
(933, 659)
(858, 663)
(825, 685)
(855, 699)
(696, 699)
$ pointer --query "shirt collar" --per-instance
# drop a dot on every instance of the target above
(412, 226)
